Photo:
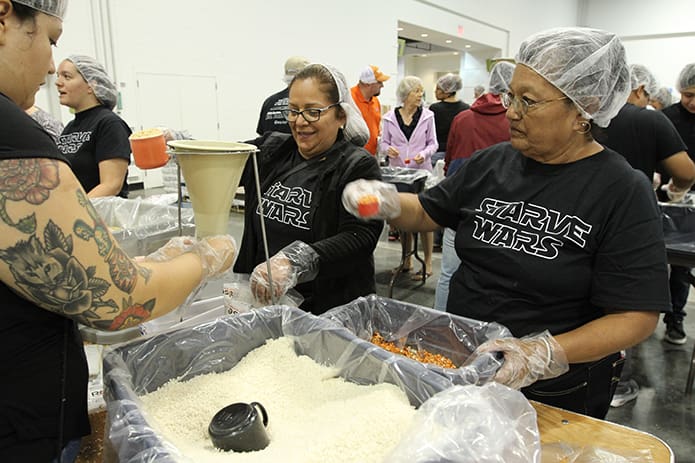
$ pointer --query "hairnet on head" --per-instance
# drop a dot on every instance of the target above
(641, 76)
(450, 83)
(293, 65)
(95, 76)
(53, 7)
(663, 96)
(587, 65)
(686, 78)
(407, 85)
(355, 130)
(500, 76)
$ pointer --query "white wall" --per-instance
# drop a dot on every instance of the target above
(243, 44)
(659, 35)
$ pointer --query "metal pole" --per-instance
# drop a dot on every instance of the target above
(178, 189)
(264, 237)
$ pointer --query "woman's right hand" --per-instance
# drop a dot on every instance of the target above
(385, 194)
(392, 152)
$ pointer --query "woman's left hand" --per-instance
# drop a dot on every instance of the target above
(283, 274)
(419, 158)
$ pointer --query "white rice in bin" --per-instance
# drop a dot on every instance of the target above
(313, 416)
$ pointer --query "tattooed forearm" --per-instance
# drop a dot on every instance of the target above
(124, 273)
(29, 180)
(50, 275)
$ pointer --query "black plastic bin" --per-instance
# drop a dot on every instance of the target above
(144, 365)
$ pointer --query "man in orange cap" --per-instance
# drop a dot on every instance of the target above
(365, 94)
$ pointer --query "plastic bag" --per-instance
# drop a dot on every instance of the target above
(144, 365)
(560, 452)
(422, 328)
(472, 424)
(140, 225)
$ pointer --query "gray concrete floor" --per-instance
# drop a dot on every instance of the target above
(660, 368)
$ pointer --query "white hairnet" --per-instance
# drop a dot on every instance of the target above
(587, 65)
(95, 75)
(663, 96)
(686, 78)
(640, 75)
(355, 130)
(53, 7)
(407, 85)
(450, 83)
(500, 76)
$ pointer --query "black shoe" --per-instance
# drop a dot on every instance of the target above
(393, 235)
(675, 334)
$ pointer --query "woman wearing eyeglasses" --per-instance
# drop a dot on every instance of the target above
(559, 238)
(317, 247)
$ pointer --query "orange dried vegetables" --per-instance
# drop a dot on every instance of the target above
(421, 355)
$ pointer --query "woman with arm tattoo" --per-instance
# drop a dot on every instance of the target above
(58, 262)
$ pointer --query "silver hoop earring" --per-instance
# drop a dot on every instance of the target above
(586, 127)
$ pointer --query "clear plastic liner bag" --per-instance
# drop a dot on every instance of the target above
(145, 364)
(424, 329)
(141, 226)
(472, 424)
(560, 452)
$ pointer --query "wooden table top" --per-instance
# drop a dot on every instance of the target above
(561, 426)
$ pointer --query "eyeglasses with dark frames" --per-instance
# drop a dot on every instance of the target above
(309, 114)
(523, 105)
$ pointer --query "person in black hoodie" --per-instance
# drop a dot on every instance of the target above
(317, 247)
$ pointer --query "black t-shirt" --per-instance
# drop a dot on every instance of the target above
(684, 121)
(271, 118)
(444, 113)
(34, 342)
(550, 246)
(643, 136)
(95, 135)
(287, 205)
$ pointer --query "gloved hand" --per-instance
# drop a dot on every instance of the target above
(295, 263)
(216, 254)
(528, 359)
(365, 191)
(674, 193)
(173, 248)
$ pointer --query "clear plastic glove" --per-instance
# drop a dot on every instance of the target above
(372, 199)
(295, 263)
(675, 194)
(216, 254)
(656, 180)
(528, 359)
(173, 248)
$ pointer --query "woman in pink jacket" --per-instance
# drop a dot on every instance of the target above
(408, 136)
(409, 139)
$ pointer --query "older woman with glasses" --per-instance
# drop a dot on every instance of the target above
(559, 238)
(314, 242)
